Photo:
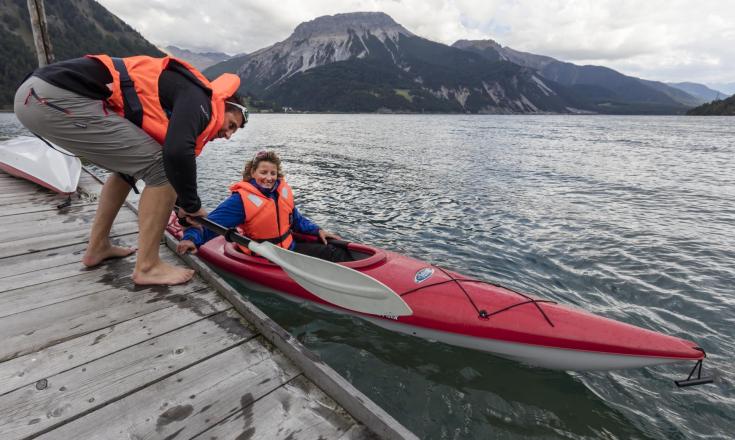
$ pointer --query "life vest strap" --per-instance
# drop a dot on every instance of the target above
(277, 240)
(132, 107)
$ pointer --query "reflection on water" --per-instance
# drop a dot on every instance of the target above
(632, 218)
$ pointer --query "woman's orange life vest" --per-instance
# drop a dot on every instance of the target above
(144, 72)
(266, 219)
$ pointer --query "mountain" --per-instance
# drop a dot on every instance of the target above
(76, 28)
(229, 66)
(699, 90)
(726, 88)
(724, 107)
(366, 62)
(594, 88)
(200, 60)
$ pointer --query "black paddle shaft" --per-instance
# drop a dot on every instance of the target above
(230, 234)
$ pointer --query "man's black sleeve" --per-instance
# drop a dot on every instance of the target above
(190, 113)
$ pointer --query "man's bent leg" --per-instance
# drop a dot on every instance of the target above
(111, 199)
(154, 209)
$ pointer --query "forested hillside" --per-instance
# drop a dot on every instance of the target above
(76, 28)
(720, 107)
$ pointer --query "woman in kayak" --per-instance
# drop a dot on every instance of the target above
(262, 208)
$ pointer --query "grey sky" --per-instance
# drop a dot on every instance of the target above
(666, 40)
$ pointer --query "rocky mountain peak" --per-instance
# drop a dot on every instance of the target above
(478, 44)
(338, 25)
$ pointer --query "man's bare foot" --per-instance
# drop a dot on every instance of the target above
(94, 256)
(162, 274)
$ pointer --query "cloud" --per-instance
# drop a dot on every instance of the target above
(674, 40)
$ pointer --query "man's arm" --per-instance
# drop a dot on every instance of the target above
(190, 114)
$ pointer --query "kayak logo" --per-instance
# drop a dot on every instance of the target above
(423, 275)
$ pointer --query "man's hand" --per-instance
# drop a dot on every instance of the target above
(191, 216)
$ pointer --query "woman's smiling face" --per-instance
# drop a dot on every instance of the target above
(266, 174)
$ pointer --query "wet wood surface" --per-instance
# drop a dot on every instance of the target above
(87, 354)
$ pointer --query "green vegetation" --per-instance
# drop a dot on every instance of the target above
(76, 28)
(719, 107)
(18, 61)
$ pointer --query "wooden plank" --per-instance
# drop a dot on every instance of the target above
(57, 290)
(188, 402)
(15, 207)
(17, 183)
(120, 267)
(358, 432)
(76, 215)
(49, 258)
(349, 397)
(296, 411)
(58, 399)
(39, 328)
(15, 190)
(35, 366)
(43, 240)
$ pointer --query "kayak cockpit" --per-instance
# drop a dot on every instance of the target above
(363, 256)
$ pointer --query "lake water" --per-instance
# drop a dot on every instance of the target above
(629, 217)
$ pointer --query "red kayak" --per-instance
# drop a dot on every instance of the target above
(459, 310)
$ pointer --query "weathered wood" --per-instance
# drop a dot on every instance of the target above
(49, 258)
(17, 183)
(35, 366)
(349, 397)
(41, 242)
(47, 204)
(76, 215)
(358, 432)
(41, 199)
(39, 328)
(36, 296)
(39, 407)
(20, 186)
(190, 401)
(296, 411)
(41, 38)
(46, 280)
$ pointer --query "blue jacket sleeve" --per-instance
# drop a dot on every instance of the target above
(229, 213)
(304, 224)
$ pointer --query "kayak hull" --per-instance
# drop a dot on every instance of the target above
(31, 159)
(465, 312)
(539, 356)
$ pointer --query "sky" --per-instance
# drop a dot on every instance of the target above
(664, 40)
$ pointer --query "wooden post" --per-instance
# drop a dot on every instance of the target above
(40, 32)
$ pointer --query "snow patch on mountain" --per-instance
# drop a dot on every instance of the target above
(321, 41)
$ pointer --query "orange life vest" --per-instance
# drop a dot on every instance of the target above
(266, 220)
(144, 72)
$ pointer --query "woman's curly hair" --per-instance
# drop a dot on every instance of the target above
(262, 156)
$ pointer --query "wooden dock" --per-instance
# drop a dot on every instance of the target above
(84, 353)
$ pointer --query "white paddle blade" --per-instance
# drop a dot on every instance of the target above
(334, 283)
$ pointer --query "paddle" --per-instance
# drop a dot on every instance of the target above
(334, 283)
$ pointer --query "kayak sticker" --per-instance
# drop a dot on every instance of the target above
(423, 275)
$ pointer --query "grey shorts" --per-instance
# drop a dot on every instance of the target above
(87, 128)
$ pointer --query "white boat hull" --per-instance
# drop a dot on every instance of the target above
(30, 158)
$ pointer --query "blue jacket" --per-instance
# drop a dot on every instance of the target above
(231, 213)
